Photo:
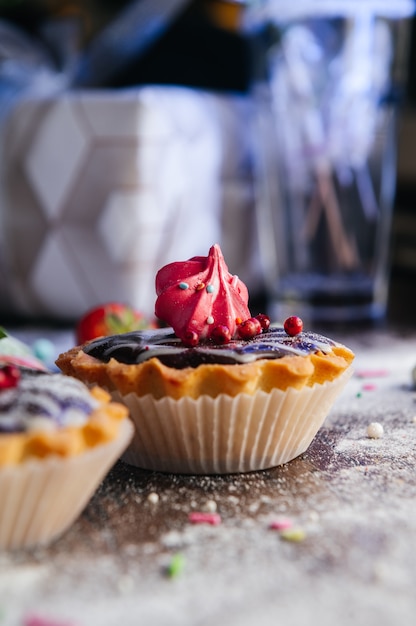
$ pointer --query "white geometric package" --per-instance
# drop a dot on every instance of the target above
(100, 189)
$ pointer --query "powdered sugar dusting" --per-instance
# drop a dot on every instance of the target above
(354, 499)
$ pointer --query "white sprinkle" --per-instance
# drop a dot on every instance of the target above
(375, 430)
(210, 319)
(153, 497)
(210, 506)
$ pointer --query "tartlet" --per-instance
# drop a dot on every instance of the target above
(220, 391)
(58, 439)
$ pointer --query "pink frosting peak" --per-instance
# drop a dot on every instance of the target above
(200, 299)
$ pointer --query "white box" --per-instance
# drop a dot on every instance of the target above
(101, 189)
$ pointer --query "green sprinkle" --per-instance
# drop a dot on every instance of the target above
(183, 286)
(176, 566)
(359, 394)
(210, 288)
(293, 534)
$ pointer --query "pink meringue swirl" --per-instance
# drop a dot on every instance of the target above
(199, 298)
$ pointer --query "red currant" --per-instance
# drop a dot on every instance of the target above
(9, 376)
(249, 328)
(293, 325)
(264, 320)
(190, 338)
(221, 334)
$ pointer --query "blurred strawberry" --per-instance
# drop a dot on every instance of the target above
(112, 318)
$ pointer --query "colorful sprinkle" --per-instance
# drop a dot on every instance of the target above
(210, 319)
(183, 286)
(36, 620)
(375, 430)
(43, 349)
(369, 373)
(176, 566)
(204, 518)
(200, 286)
(281, 523)
(210, 288)
(369, 387)
(293, 534)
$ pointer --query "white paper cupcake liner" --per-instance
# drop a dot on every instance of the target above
(41, 498)
(227, 434)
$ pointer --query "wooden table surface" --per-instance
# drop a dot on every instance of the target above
(351, 501)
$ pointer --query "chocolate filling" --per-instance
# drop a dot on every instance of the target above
(139, 346)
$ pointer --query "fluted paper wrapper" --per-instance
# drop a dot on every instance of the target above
(227, 434)
(41, 498)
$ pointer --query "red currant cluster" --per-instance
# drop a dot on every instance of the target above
(9, 376)
(222, 335)
(246, 330)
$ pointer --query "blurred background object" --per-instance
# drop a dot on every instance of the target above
(179, 151)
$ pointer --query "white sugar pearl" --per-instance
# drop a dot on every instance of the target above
(375, 430)
(153, 498)
(210, 506)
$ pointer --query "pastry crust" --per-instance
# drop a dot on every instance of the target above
(155, 378)
(102, 426)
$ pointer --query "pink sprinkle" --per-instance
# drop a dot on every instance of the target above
(372, 373)
(205, 518)
(369, 387)
(282, 523)
(36, 620)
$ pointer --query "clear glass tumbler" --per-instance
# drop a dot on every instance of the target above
(327, 161)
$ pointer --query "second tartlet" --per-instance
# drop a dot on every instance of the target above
(58, 439)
